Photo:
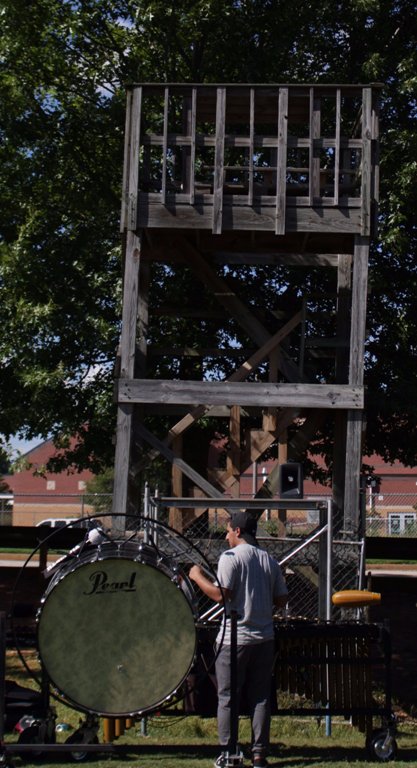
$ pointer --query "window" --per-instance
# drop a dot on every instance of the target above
(409, 520)
(401, 522)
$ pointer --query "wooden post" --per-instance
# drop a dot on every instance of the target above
(314, 164)
(125, 183)
(219, 162)
(127, 365)
(43, 556)
(141, 351)
(251, 144)
(344, 297)
(375, 160)
(356, 367)
(175, 514)
(188, 153)
(269, 415)
(165, 148)
(366, 160)
(282, 459)
(132, 170)
(233, 458)
(281, 191)
(337, 148)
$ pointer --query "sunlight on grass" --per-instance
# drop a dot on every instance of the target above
(171, 741)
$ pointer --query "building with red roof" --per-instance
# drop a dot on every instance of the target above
(40, 494)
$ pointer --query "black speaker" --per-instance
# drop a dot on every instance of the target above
(291, 480)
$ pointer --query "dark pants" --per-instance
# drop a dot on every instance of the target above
(254, 671)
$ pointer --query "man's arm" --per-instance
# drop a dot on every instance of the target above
(280, 599)
(211, 590)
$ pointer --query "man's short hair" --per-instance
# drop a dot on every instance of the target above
(247, 523)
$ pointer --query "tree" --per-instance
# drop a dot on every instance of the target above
(62, 78)
(60, 271)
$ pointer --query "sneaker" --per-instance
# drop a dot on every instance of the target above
(258, 761)
(221, 761)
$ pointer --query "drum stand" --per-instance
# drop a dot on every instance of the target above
(234, 757)
(3, 760)
(42, 731)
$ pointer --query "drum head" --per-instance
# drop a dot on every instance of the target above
(116, 636)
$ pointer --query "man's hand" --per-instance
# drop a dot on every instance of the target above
(195, 573)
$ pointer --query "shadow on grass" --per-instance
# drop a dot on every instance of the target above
(296, 755)
(285, 756)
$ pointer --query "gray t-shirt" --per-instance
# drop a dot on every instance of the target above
(255, 580)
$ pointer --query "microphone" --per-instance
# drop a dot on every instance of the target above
(95, 537)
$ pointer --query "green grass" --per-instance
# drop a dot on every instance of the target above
(384, 561)
(15, 550)
(25, 552)
(191, 742)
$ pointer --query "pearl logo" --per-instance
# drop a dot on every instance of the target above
(100, 584)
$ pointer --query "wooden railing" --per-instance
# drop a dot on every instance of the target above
(206, 155)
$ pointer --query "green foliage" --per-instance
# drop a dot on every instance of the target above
(60, 272)
(62, 75)
(99, 492)
(5, 460)
(4, 487)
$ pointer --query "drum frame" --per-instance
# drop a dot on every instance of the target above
(59, 659)
(153, 543)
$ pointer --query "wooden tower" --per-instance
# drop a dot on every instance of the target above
(226, 182)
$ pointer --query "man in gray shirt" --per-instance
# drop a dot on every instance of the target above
(251, 583)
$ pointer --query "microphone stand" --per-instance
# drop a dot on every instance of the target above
(235, 756)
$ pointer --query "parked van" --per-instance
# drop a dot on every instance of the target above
(60, 522)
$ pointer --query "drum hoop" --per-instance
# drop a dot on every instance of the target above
(112, 551)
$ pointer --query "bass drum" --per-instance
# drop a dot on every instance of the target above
(116, 631)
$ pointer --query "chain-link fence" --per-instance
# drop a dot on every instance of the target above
(295, 534)
(317, 560)
(391, 514)
(6, 508)
(35, 508)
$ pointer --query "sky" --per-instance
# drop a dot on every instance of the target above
(20, 446)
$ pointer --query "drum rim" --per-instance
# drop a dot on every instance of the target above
(72, 564)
